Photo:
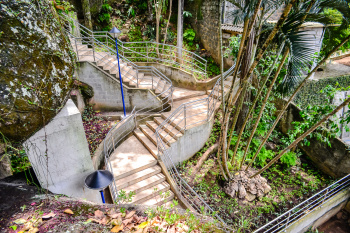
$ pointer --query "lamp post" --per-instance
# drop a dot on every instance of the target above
(99, 180)
(115, 32)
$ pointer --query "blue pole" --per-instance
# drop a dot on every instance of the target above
(120, 77)
(103, 197)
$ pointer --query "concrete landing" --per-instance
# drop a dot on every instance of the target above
(130, 157)
(182, 93)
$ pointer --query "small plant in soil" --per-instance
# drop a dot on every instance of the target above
(96, 128)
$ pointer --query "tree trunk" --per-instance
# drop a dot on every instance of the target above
(180, 21)
(87, 14)
(167, 24)
(150, 11)
(247, 60)
(204, 157)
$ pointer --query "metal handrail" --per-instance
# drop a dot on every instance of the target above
(284, 221)
(188, 60)
(178, 121)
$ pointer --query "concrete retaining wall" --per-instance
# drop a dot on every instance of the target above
(108, 94)
(334, 161)
(66, 164)
(182, 78)
(190, 143)
(321, 214)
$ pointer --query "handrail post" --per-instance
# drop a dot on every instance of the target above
(147, 54)
(185, 115)
(76, 47)
(208, 114)
(93, 48)
(137, 77)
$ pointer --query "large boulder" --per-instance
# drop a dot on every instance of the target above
(36, 66)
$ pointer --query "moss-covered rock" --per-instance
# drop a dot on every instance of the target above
(36, 66)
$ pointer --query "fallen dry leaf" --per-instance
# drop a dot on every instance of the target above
(27, 226)
(143, 225)
(34, 230)
(115, 215)
(48, 216)
(138, 231)
(145, 230)
(99, 214)
(127, 221)
(116, 222)
(129, 215)
(117, 228)
(20, 221)
(68, 211)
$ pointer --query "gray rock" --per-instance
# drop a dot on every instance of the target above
(5, 166)
(250, 196)
(241, 191)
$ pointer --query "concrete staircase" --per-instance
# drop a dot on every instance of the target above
(131, 78)
(134, 163)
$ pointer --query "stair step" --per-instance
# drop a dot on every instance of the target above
(150, 193)
(149, 133)
(160, 200)
(167, 138)
(128, 160)
(146, 142)
(169, 128)
(173, 124)
(137, 177)
(145, 184)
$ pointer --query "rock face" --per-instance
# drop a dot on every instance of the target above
(334, 160)
(36, 66)
(244, 188)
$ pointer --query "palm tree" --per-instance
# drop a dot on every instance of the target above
(297, 57)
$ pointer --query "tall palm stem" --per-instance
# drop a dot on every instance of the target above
(262, 109)
(252, 106)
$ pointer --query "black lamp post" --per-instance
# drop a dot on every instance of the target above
(98, 180)
(115, 32)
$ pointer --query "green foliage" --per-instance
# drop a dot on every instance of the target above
(213, 69)
(131, 11)
(310, 93)
(334, 34)
(289, 158)
(189, 36)
(124, 197)
(104, 17)
(150, 32)
(233, 46)
(19, 160)
(135, 33)
(187, 14)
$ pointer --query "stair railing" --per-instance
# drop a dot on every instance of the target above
(284, 221)
(148, 51)
(188, 115)
(155, 80)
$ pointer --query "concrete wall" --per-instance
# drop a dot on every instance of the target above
(182, 78)
(321, 214)
(108, 94)
(334, 161)
(190, 143)
(205, 21)
(67, 162)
